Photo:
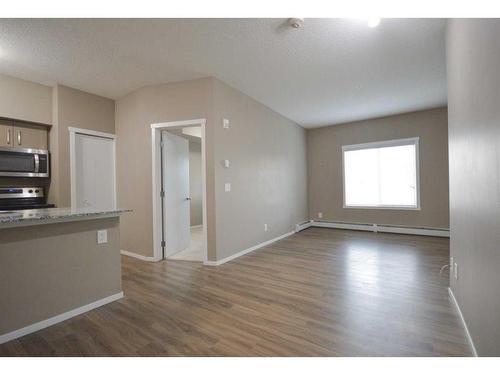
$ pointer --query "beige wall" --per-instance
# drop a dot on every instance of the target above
(74, 108)
(134, 115)
(195, 186)
(266, 151)
(473, 60)
(325, 168)
(268, 177)
(46, 270)
(62, 107)
(24, 100)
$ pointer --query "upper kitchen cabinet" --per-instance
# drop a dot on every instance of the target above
(6, 132)
(23, 135)
(30, 136)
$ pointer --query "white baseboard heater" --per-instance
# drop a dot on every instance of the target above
(303, 225)
(422, 231)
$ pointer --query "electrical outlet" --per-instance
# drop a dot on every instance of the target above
(265, 227)
(455, 269)
(102, 236)
(227, 187)
(225, 123)
(320, 215)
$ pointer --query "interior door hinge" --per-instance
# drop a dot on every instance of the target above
(162, 243)
(162, 193)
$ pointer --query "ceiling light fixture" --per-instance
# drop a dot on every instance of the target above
(373, 22)
(296, 23)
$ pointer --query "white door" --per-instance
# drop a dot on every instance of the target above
(94, 172)
(176, 202)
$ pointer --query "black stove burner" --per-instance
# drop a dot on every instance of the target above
(26, 206)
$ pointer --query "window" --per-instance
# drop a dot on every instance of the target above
(382, 175)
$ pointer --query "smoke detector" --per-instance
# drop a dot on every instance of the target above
(296, 23)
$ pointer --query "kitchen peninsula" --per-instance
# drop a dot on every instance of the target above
(56, 263)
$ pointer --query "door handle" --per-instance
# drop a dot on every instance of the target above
(188, 198)
(8, 136)
(19, 138)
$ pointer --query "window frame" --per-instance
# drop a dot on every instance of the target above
(381, 144)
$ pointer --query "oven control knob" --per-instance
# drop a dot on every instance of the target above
(36, 191)
(30, 191)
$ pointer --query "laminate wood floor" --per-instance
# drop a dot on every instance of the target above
(321, 292)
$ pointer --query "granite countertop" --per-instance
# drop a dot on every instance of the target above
(51, 215)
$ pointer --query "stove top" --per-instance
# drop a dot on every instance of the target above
(26, 207)
(24, 198)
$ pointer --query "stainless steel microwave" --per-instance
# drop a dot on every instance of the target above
(24, 162)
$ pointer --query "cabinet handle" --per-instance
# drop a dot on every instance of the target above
(8, 136)
(19, 138)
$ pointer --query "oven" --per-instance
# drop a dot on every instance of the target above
(24, 162)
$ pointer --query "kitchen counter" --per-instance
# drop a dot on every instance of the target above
(51, 272)
(10, 219)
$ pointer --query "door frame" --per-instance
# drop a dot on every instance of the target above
(156, 181)
(72, 158)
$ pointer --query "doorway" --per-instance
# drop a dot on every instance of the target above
(92, 168)
(179, 190)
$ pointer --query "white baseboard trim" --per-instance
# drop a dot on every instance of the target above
(436, 232)
(139, 256)
(246, 251)
(58, 318)
(467, 333)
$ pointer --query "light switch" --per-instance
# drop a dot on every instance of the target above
(227, 187)
(226, 163)
(225, 123)
(102, 236)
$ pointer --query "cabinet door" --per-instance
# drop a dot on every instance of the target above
(6, 133)
(30, 136)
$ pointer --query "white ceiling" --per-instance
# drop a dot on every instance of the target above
(330, 71)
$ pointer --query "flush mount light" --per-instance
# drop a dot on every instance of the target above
(373, 22)
(296, 23)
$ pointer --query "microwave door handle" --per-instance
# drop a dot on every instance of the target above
(19, 137)
(8, 136)
(37, 163)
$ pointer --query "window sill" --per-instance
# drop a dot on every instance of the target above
(399, 208)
